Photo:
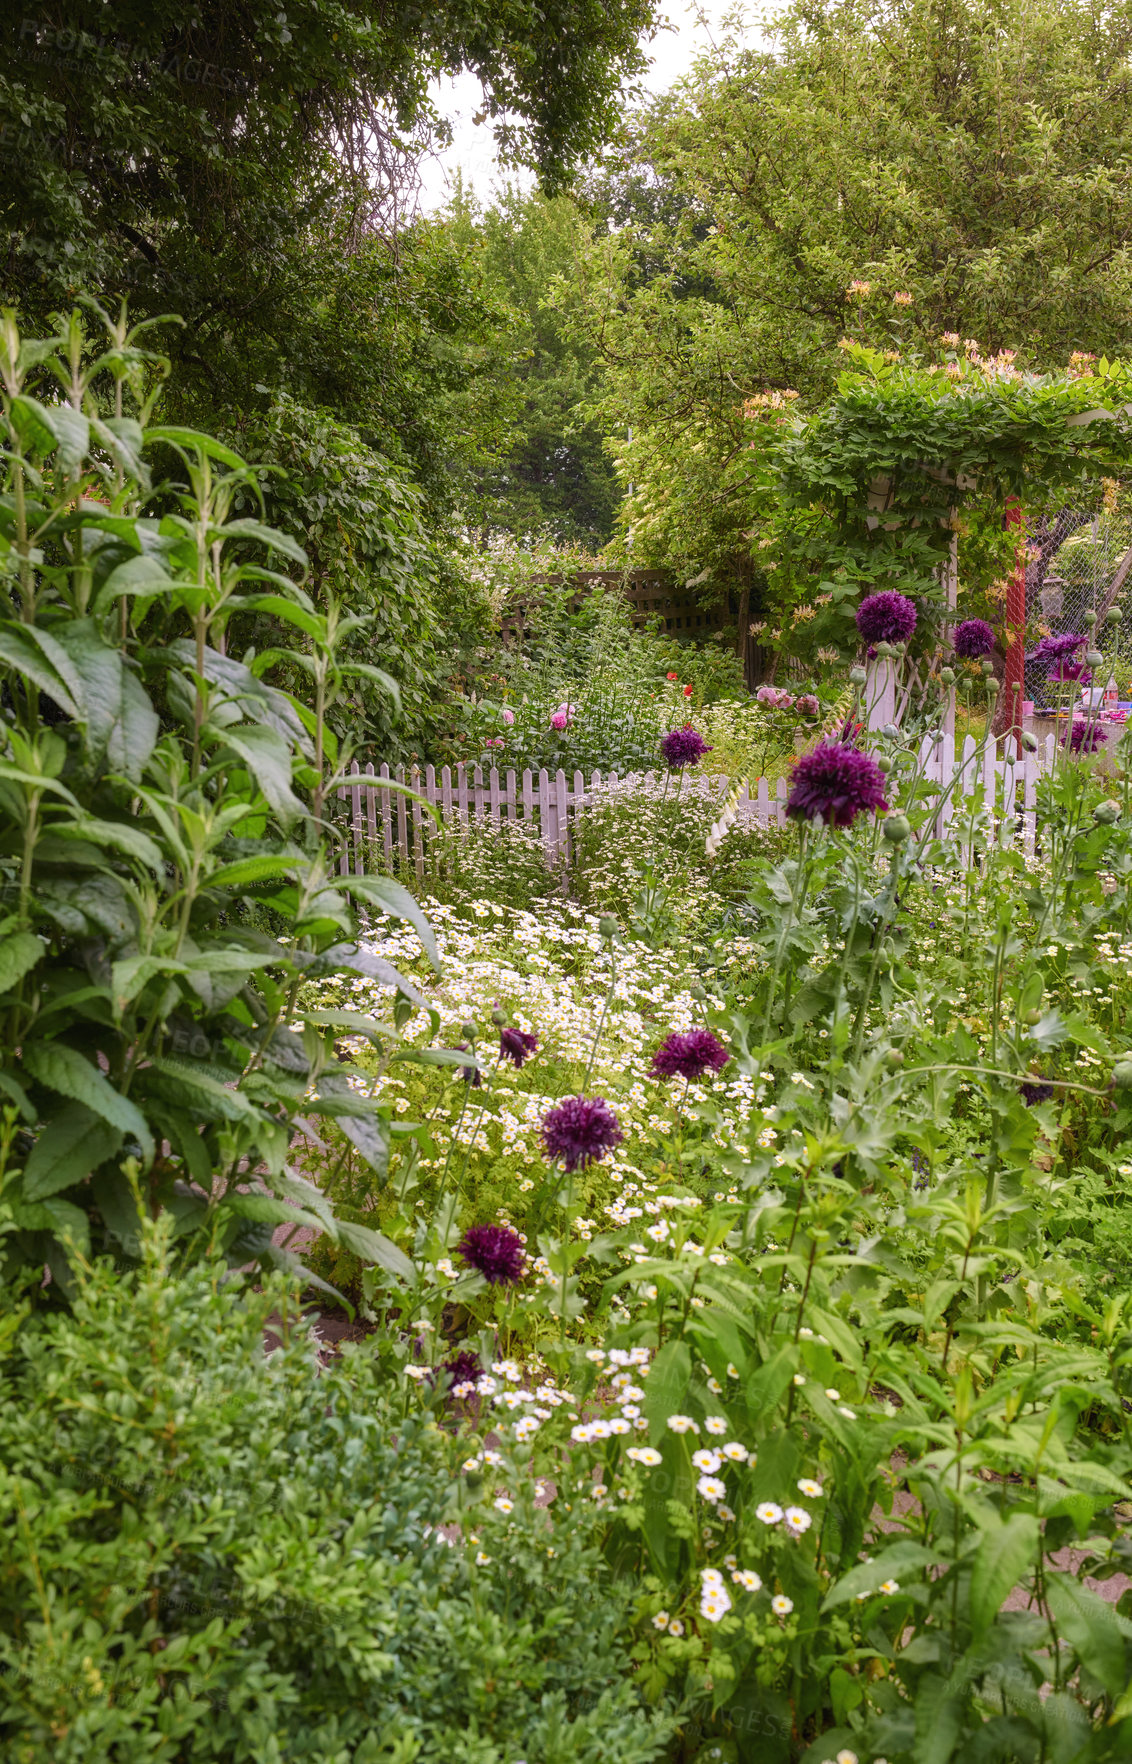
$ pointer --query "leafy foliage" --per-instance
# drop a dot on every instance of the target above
(164, 887)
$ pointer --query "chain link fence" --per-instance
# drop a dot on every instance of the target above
(1075, 565)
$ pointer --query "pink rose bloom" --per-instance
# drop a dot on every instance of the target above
(785, 700)
(559, 720)
(808, 704)
(767, 694)
(507, 716)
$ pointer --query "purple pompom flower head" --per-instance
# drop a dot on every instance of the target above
(837, 782)
(495, 1251)
(683, 747)
(973, 638)
(1053, 648)
(1035, 1092)
(886, 618)
(580, 1131)
(689, 1053)
(516, 1045)
(1070, 673)
(1083, 737)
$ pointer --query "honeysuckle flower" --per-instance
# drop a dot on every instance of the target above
(781, 1605)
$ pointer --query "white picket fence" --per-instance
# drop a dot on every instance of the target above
(378, 823)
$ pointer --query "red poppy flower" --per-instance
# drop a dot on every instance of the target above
(687, 691)
(672, 676)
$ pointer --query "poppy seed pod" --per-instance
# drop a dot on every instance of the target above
(1113, 616)
(894, 1058)
(858, 676)
(468, 1030)
(608, 926)
(987, 665)
(1094, 658)
(896, 829)
(1107, 812)
(947, 675)
(1089, 619)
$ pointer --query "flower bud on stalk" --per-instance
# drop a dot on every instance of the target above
(894, 1058)
(1032, 1017)
(1094, 658)
(498, 1017)
(1029, 741)
(468, 1030)
(947, 675)
(1107, 812)
(992, 688)
(1114, 616)
(608, 926)
(987, 666)
(1089, 619)
(896, 829)
(858, 676)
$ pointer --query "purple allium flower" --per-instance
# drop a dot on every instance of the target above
(837, 782)
(1067, 672)
(689, 1053)
(1035, 1093)
(516, 1045)
(580, 1131)
(495, 1251)
(886, 618)
(1083, 737)
(683, 747)
(1053, 648)
(973, 638)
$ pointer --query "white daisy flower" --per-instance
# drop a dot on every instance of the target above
(711, 1488)
(797, 1520)
(715, 1606)
(747, 1579)
(716, 1424)
(660, 1621)
(707, 1461)
(683, 1424)
(732, 1371)
(769, 1512)
(781, 1605)
(833, 1395)
(737, 1453)
(503, 1505)
(646, 1455)
(890, 1586)
(619, 1425)
(809, 1487)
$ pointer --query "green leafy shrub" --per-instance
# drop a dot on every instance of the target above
(165, 884)
(218, 1555)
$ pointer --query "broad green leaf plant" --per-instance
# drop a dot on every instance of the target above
(167, 877)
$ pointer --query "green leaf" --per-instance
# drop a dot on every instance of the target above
(1092, 1626)
(194, 442)
(266, 1210)
(138, 575)
(667, 1386)
(36, 655)
(1005, 1551)
(18, 955)
(268, 760)
(71, 1145)
(64, 1070)
(768, 1382)
(390, 897)
(371, 1246)
(121, 724)
(899, 1559)
(248, 529)
(244, 871)
(120, 836)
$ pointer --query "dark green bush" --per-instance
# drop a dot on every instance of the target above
(213, 1554)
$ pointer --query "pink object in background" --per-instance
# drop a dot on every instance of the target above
(507, 716)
